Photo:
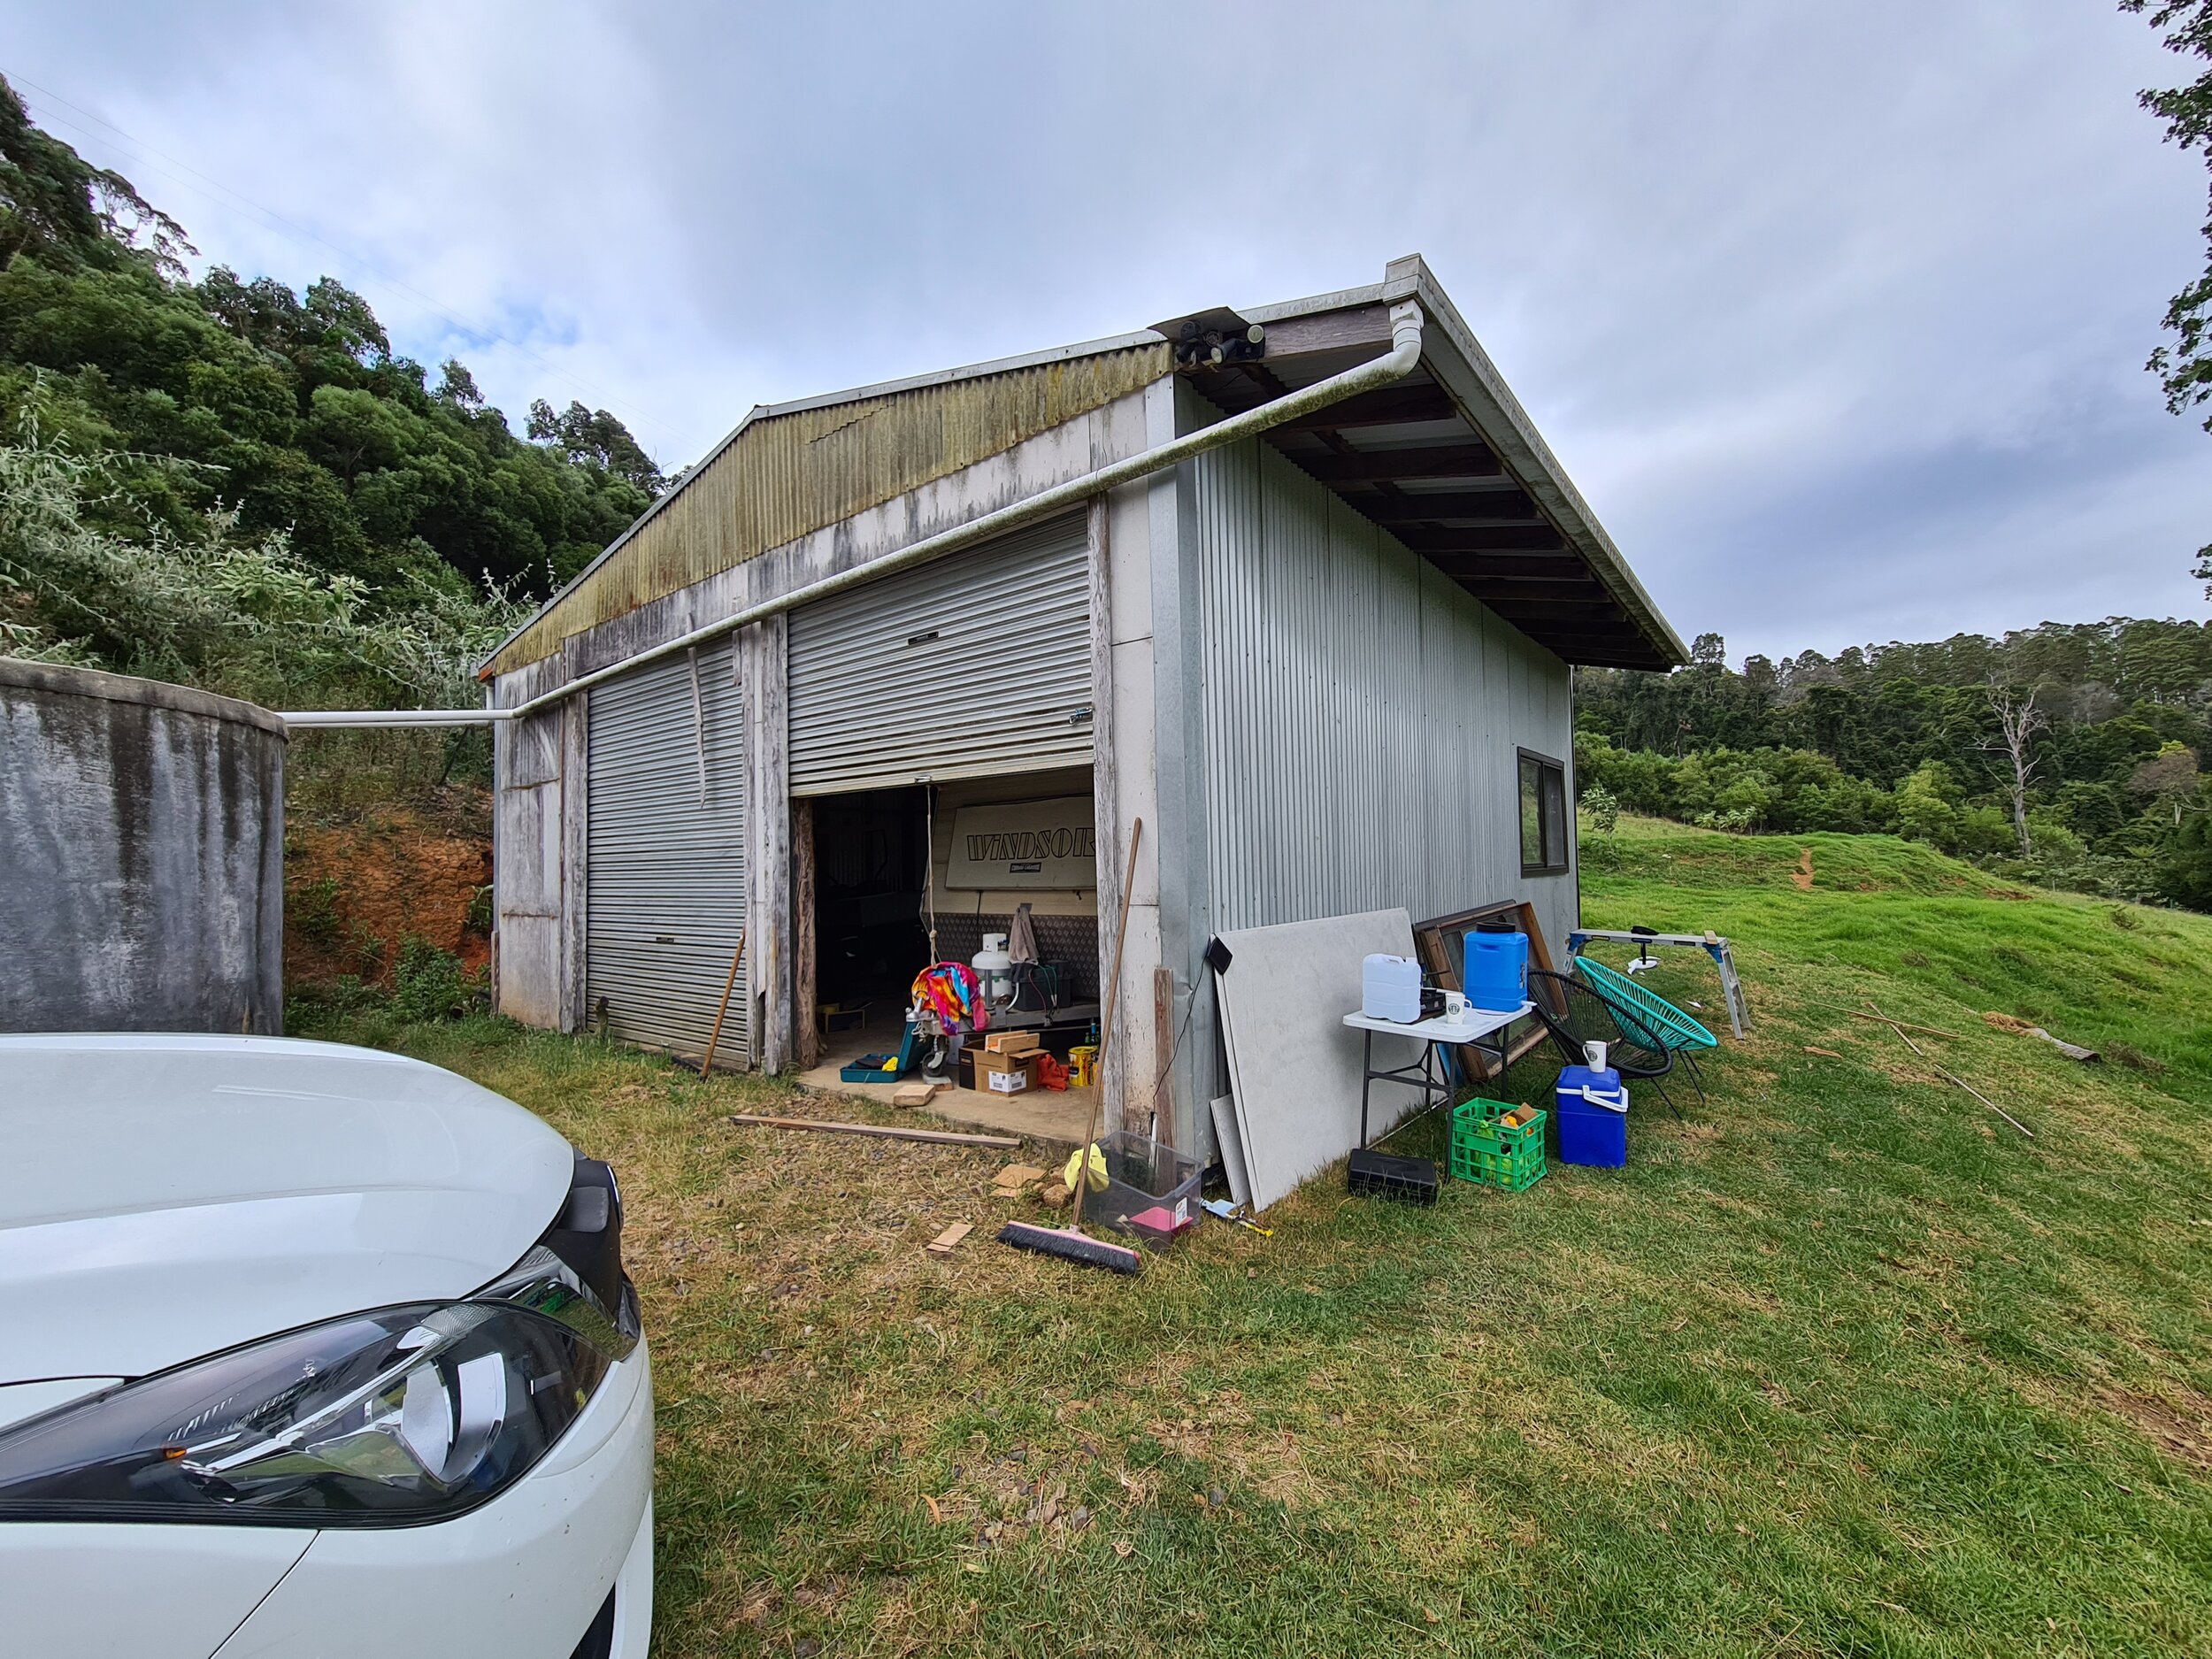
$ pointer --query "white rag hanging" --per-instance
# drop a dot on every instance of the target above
(1021, 938)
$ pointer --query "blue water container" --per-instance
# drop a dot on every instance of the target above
(1592, 1117)
(1496, 976)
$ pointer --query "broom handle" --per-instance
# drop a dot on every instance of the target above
(728, 985)
(1106, 1031)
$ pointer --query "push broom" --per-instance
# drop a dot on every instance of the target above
(1071, 1243)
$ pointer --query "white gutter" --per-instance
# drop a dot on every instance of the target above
(314, 718)
(1404, 355)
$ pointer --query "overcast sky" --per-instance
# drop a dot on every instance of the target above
(1837, 314)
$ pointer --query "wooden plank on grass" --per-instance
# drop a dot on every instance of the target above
(935, 1137)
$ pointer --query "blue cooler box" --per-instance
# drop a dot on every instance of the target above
(1592, 1117)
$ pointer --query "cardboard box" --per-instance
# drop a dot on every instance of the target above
(1005, 1073)
(1011, 1042)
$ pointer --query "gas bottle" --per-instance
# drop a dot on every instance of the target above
(994, 972)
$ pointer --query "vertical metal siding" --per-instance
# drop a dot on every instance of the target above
(665, 893)
(975, 666)
(1360, 712)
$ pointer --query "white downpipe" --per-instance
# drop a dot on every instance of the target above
(1399, 361)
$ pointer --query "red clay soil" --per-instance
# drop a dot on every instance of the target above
(352, 892)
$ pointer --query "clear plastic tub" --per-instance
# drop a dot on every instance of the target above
(1143, 1176)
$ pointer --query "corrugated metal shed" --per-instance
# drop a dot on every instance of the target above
(783, 475)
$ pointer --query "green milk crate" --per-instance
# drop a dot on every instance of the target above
(1486, 1151)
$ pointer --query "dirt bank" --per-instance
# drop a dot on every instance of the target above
(354, 890)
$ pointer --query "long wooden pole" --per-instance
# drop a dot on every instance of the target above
(728, 985)
(1106, 1031)
(1902, 1025)
(1901, 1031)
(1985, 1101)
(935, 1137)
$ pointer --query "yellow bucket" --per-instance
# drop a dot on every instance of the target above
(1083, 1058)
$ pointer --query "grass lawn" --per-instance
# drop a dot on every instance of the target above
(1841, 1364)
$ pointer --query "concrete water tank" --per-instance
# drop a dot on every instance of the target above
(141, 855)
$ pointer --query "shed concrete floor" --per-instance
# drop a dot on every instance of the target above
(1049, 1114)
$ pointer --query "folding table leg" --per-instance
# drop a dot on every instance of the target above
(1366, 1080)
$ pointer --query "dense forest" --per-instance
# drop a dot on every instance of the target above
(2063, 753)
(226, 483)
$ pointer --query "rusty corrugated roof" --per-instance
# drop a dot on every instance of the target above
(784, 474)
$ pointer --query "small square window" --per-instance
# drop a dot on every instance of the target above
(1543, 815)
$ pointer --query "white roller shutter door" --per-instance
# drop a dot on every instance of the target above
(664, 884)
(976, 666)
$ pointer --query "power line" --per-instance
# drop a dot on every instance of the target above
(274, 220)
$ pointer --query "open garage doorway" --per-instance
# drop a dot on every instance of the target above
(871, 882)
(890, 881)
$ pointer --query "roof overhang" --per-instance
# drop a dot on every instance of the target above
(1448, 462)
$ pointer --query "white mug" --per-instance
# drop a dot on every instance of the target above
(1455, 1004)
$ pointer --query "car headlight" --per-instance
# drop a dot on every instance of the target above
(391, 1417)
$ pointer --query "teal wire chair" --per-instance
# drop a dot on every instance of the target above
(1670, 1024)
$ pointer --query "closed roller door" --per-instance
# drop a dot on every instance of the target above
(665, 893)
(976, 666)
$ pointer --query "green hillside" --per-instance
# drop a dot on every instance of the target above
(2133, 981)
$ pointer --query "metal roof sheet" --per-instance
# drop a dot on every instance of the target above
(795, 468)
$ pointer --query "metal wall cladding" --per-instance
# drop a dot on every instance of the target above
(786, 475)
(973, 666)
(664, 885)
(1361, 714)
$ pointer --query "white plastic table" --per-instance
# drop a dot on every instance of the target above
(1468, 1030)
